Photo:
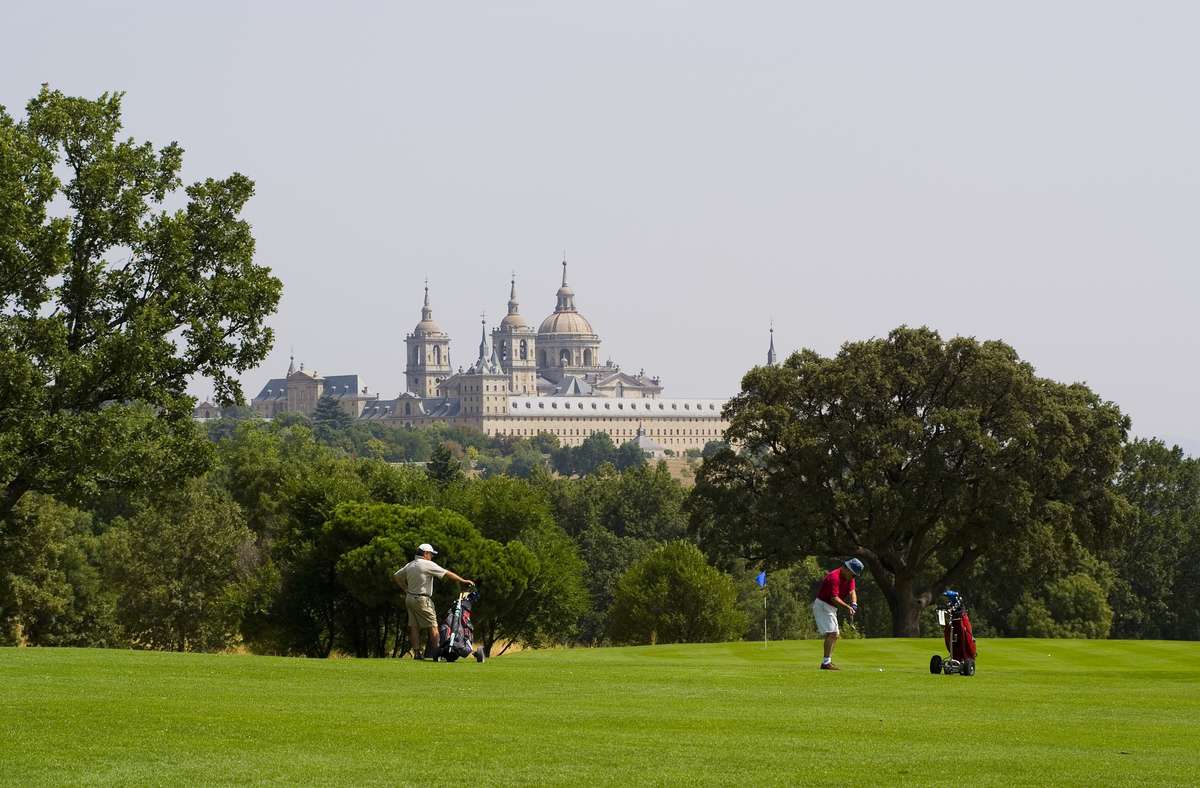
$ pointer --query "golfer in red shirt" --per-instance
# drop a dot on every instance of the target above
(837, 590)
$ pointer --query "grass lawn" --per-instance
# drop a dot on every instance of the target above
(1038, 712)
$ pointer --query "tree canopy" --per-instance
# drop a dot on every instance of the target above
(915, 454)
(111, 301)
(672, 595)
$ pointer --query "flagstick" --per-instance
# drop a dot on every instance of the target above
(764, 616)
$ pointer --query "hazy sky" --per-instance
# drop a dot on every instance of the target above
(1021, 171)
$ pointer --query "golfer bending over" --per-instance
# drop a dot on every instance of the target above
(836, 589)
(416, 579)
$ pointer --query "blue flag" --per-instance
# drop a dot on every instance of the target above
(761, 579)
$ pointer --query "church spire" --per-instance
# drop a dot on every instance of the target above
(513, 306)
(427, 310)
(483, 343)
(771, 350)
(566, 296)
(292, 363)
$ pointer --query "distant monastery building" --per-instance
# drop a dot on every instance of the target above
(525, 381)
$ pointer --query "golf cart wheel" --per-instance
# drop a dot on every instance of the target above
(935, 664)
(969, 668)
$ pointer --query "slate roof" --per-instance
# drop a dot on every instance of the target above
(275, 388)
(336, 386)
(440, 408)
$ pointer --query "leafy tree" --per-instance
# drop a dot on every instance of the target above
(711, 449)
(596, 450)
(443, 468)
(606, 557)
(788, 596)
(525, 458)
(1187, 588)
(674, 596)
(563, 461)
(507, 509)
(364, 544)
(545, 442)
(1072, 607)
(629, 455)
(50, 589)
(642, 502)
(915, 454)
(177, 567)
(1163, 487)
(112, 299)
(492, 465)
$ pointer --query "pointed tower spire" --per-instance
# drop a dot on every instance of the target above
(771, 350)
(513, 305)
(427, 310)
(292, 363)
(566, 296)
(483, 343)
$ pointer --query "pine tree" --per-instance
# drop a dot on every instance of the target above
(329, 419)
(443, 468)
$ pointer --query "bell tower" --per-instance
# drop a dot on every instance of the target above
(515, 345)
(428, 354)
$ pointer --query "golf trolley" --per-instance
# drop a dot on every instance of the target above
(956, 631)
(458, 630)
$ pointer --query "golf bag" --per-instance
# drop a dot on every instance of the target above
(956, 632)
(457, 631)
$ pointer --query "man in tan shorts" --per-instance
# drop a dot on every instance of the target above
(416, 579)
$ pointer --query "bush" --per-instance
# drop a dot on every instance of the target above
(674, 596)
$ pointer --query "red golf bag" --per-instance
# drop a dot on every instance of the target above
(958, 632)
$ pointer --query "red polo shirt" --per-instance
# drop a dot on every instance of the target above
(836, 583)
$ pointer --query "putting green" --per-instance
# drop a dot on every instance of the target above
(1038, 712)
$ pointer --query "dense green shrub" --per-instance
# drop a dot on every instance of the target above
(674, 596)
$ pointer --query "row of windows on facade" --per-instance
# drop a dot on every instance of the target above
(564, 356)
(620, 406)
(665, 434)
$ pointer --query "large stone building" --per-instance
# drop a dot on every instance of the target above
(524, 381)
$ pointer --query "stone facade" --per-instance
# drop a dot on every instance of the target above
(523, 382)
(299, 391)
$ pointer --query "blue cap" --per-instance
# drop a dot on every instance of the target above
(855, 566)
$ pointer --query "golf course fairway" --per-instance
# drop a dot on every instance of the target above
(1039, 712)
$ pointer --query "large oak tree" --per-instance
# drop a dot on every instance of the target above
(117, 285)
(915, 454)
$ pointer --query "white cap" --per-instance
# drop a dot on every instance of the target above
(426, 548)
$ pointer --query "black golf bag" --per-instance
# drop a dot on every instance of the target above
(457, 632)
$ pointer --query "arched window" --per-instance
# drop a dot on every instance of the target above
(524, 350)
(564, 358)
(543, 364)
(437, 355)
(587, 357)
(504, 351)
(407, 409)
(415, 354)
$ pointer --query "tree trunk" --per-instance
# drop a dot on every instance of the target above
(906, 617)
(906, 609)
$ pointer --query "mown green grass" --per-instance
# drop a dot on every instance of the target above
(1038, 712)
